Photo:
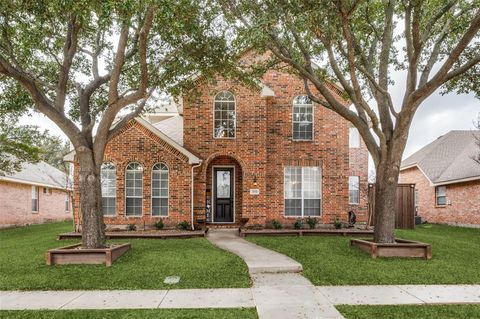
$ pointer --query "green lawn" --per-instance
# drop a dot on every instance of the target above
(145, 266)
(331, 261)
(241, 313)
(411, 312)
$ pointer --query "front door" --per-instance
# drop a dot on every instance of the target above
(223, 189)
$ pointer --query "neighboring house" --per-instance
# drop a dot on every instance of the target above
(447, 179)
(37, 194)
(236, 155)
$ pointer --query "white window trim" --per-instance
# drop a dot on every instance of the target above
(358, 190)
(115, 179)
(213, 116)
(313, 121)
(359, 139)
(36, 191)
(168, 192)
(213, 192)
(436, 196)
(67, 203)
(302, 198)
(125, 192)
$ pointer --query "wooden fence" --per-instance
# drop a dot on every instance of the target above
(405, 214)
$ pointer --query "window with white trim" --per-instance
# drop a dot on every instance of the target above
(302, 191)
(302, 118)
(133, 189)
(67, 203)
(108, 179)
(354, 190)
(224, 115)
(160, 190)
(353, 138)
(34, 199)
(441, 195)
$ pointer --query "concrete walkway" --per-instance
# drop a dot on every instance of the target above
(258, 259)
(278, 289)
(244, 297)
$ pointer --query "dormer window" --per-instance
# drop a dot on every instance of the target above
(302, 118)
(224, 115)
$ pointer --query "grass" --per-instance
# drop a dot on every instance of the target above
(411, 312)
(240, 313)
(198, 263)
(331, 261)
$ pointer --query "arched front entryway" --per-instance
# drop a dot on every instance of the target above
(224, 190)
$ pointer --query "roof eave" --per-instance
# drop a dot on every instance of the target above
(22, 181)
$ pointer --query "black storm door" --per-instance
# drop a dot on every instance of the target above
(223, 195)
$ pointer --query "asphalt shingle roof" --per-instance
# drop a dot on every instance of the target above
(172, 127)
(448, 158)
(40, 173)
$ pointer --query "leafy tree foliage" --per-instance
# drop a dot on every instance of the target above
(84, 62)
(356, 44)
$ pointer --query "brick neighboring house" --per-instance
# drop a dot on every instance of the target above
(36, 194)
(236, 155)
(447, 179)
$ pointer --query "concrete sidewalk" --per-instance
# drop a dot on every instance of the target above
(257, 258)
(292, 285)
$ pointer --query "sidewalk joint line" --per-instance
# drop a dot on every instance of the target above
(75, 298)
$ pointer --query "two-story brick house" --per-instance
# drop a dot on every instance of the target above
(236, 155)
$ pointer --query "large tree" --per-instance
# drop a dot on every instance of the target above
(82, 62)
(357, 45)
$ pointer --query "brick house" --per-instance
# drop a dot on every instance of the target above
(236, 155)
(447, 179)
(37, 194)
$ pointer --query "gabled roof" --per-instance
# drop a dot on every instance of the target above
(449, 159)
(172, 127)
(39, 174)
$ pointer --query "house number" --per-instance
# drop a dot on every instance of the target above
(254, 191)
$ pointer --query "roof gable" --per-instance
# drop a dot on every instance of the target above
(448, 159)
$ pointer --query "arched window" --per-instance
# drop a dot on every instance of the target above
(133, 189)
(108, 179)
(302, 118)
(160, 190)
(224, 121)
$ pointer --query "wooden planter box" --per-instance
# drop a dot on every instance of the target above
(402, 248)
(72, 255)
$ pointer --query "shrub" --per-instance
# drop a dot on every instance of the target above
(131, 227)
(312, 222)
(276, 224)
(159, 225)
(337, 223)
(298, 224)
(184, 225)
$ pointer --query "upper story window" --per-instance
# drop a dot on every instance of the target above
(353, 138)
(108, 179)
(133, 189)
(302, 191)
(160, 190)
(302, 118)
(224, 115)
(441, 195)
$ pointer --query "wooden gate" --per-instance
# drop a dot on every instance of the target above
(405, 214)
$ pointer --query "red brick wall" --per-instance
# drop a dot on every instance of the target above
(263, 147)
(358, 166)
(16, 205)
(135, 143)
(463, 200)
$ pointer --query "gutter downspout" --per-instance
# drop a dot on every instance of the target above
(191, 199)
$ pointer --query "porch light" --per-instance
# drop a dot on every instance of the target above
(254, 180)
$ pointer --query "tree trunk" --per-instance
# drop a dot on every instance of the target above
(385, 202)
(93, 227)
